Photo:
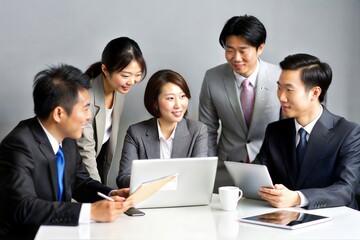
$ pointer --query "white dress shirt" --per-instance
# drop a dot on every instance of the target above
(108, 123)
(166, 145)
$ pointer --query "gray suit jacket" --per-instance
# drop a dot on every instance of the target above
(142, 142)
(330, 172)
(219, 101)
(91, 141)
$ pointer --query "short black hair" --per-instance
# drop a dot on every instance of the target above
(57, 86)
(245, 26)
(313, 71)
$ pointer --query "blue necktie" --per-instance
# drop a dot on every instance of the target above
(301, 147)
(60, 163)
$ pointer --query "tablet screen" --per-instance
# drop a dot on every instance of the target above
(286, 219)
(249, 178)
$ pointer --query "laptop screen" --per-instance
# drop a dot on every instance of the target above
(193, 184)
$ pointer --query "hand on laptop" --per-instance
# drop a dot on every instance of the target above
(280, 196)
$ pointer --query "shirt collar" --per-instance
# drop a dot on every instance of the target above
(54, 144)
(308, 128)
(251, 78)
(160, 133)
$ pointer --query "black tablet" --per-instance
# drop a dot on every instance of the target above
(286, 219)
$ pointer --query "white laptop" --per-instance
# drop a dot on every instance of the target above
(249, 177)
(192, 186)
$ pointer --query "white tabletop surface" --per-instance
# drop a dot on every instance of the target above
(208, 222)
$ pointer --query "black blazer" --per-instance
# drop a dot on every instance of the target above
(329, 173)
(28, 180)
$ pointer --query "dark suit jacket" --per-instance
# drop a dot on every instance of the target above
(28, 180)
(142, 142)
(329, 173)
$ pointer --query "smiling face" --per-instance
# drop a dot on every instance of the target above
(241, 55)
(297, 101)
(123, 80)
(172, 104)
(71, 126)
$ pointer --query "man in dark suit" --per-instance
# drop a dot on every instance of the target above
(30, 192)
(321, 168)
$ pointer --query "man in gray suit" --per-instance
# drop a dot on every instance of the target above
(313, 156)
(243, 38)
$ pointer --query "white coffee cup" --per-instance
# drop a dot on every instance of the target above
(229, 197)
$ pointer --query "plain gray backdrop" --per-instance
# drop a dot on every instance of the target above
(178, 35)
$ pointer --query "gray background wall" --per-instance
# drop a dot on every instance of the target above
(180, 35)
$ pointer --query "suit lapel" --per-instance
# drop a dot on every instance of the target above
(318, 140)
(182, 140)
(261, 96)
(50, 156)
(99, 110)
(230, 87)
(151, 140)
(46, 149)
(116, 114)
(288, 149)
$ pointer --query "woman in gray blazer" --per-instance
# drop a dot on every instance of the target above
(168, 134)
(122, 65)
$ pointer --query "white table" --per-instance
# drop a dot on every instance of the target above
(208, 222)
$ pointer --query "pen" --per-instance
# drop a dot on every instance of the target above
(105, 197)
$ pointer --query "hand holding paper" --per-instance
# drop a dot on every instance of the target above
(147, 189)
